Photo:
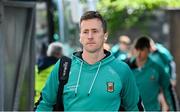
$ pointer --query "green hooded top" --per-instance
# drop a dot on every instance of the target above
(119, 54)
(150, 78)
(102, 86)
(162, 57)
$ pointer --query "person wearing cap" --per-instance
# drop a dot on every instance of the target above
(121, 49)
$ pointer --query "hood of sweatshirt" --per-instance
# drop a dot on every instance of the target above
(77, 56)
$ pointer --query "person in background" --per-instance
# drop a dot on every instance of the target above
(121, 50)
(45, 66)
(97, 82)
(150, 77)
(164, 58)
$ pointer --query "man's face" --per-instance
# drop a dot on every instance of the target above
(142, 55)
(92, 36)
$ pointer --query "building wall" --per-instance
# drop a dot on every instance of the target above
(174, 18)
(17, 55)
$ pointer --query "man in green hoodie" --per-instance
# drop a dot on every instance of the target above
(164, 58)
(150, 77)
(97, 81)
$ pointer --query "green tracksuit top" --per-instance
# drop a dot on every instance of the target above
(150, 78)
(162, 57)
(165, 51)
(97, 87)
(119, 54)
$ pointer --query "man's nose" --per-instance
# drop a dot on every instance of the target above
(90, 35)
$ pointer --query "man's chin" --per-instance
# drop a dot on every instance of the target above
(91, 50)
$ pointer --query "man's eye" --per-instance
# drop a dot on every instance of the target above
(85, 32)
(94, 31)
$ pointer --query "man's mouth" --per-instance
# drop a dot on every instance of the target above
(90, 43)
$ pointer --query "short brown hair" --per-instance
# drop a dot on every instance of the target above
(94, 14)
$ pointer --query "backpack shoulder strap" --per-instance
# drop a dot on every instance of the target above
(64, 69)
(63, 73)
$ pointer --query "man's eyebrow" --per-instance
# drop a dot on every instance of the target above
(86, 30)
(90, 29)
(94, 29)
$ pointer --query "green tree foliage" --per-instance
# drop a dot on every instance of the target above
(125, 14)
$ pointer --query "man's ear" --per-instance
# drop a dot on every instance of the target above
(80, 40)
(106, 36)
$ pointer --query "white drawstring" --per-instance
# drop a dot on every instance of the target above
(78, 78)
(94, 79)
(76, 90)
